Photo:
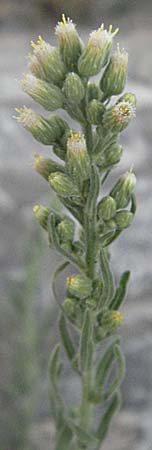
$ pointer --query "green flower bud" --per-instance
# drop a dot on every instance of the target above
(41, 213)
(73, 88)
(43, 130)
(110, 225)
(59, 125)
(49, 96)
(73, 311)
(45, 62)
(114, 77)
(111, 320)
(95, 111)
(123, 189)
(96, 51)
(66, 230)
(106, 208)
(93, 92)
(118, 116)
(46, 166)
(70, 307)
(59, 151)
(105, 229)
(91, 302)
(64, 186)
(79, 286)
(128, 97)
(113, 155)
(123, 219)
(69, 42)
(78, 164)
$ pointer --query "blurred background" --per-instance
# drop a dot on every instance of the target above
(27, 310)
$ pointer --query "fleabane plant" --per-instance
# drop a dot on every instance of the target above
(89, 313)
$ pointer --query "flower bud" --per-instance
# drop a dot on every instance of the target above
(106, 208)
(64, 186)
(66, 230)
(95, 111)
(41, 213)
(69, 42)
(49, 96)
(79, 286)
(78, 164)
(46, 166)
(59, 125)
(73, 88)
(109, 225)
(123, 219)
(111, 320)
(118, 116)
(70, 307)
(59, 151)
(128, 97)
(114, 77)
(113, 155)
(43, 130)
(45, 62)
(96, 52)
(93, 92)
(123, 189)
(73, 311)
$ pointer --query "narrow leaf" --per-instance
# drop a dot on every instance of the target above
(107, 417)
(86, 343)
(56, 398)
(53, 366)
(105, 365)
(83, 436)
(53, 237)
(120, 291)
(108, 282)
(64, 438)
(67, 341)
(120, 360)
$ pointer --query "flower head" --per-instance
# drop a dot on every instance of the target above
(119, 116)
(69, 42)
(114, 77)
(96, 51)
(41, 213)
(45, 62)
(77, 158)
(49, 96)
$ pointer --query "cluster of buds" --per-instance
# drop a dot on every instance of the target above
(60, 79)
(112, 217)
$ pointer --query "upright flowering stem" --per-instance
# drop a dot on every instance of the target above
(60, 79)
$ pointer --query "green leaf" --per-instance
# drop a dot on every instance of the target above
(53, 237)
(120, 360)
(86, 343)
(106, 419)
(105, 365)
(56, 400)
(67, 341)
(108, 282)
(64, 438)
(120, 291)
(83, 436)
(53, 366)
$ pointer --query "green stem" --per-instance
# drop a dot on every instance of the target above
(89, 138)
